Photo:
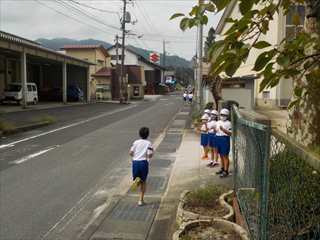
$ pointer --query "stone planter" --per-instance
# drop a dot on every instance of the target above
(217, 223)
(184, 216)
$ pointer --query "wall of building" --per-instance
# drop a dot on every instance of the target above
(270, 97)
(130, 58)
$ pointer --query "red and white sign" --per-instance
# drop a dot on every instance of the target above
(154, 57)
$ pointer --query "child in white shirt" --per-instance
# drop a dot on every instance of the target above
(141, 151)
(223, 133)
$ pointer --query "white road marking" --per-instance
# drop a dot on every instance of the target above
(26, 158)
(12, 144)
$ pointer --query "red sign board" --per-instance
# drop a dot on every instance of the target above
(154, 57)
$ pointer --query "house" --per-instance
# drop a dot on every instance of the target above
(153, 73)
(23, 60)
(100, 73)
(244, 85)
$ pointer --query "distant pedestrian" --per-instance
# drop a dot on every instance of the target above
(204, 141)
(141, 152)
(190, 97)
(185, 96)
(212, 125)
(223, 133)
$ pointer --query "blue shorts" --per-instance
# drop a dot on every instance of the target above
(212, 140)
(204, 139)
(140, 169)
(223, 145)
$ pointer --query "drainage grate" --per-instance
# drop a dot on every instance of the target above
(129, 211)
(160, 163)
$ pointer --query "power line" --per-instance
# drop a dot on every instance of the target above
(94, 8)
(72, 7)
(70, 17)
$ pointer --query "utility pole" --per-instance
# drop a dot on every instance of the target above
(117, 50)
(123, 90)
(164, 53)
(200, 60)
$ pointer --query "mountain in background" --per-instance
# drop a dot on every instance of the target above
(58, 43)
(183, 67)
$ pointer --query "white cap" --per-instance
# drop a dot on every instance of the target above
(224, 111)
(205, 117)
(207, 111)
(214, 112)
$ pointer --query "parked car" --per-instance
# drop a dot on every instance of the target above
(13, 93)
(74, 94)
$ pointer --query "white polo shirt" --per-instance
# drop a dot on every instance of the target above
(226, 125)
(141, 149)
(212, 125)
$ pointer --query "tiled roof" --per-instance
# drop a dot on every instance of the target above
(103, 72)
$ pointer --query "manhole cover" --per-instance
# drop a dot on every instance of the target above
(129, 211)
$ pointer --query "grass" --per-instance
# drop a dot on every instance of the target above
(47, 119)
(6, 126)
(205, 197)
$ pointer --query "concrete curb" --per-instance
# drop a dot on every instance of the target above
(184, 216)
(219, 222)
(25, 128)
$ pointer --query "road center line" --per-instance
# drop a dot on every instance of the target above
(24, 159)
(12, 144)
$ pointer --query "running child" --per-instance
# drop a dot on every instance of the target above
(141, 152)
(223, 133)
(185, 96)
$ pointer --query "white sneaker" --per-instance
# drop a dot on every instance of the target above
(141, 203)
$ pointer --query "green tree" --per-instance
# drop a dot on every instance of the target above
(296, 57)
(211, 38)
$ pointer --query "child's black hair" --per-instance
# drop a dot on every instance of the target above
(144, 132)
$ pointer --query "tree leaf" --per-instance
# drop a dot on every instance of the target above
(245, 6)
(263, 59)
(283, 60)
(261, 45)
(176, 15)
(293, 103)
(204, 20)
(221, 4)
(232, 67)
(184, 24)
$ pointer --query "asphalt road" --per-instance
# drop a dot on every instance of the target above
(45, 173)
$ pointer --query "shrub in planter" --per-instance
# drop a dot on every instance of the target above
(204, 203)
(206, 229)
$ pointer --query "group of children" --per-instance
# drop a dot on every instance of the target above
(215, 139)
(187, 96)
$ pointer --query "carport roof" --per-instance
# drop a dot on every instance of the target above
(103, 72)
(19, 44)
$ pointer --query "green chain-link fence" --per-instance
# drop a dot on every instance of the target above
(276, 182)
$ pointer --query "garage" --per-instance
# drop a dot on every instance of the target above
(57, 77)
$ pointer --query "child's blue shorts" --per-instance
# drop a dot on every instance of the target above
(223, 145)
(212, 140)
(140, 169)
(204, 139)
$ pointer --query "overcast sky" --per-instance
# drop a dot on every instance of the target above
(34, 19)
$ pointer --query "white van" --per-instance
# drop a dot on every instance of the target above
(13, 93)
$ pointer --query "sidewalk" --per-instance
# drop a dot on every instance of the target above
(189, 172)
(174, 169)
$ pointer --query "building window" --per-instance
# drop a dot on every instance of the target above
(266, 95)
(295, 20)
